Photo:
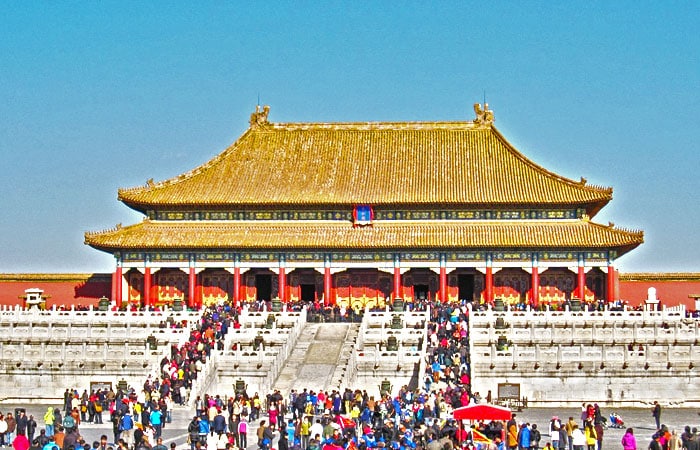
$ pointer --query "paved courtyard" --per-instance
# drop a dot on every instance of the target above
(639, 419)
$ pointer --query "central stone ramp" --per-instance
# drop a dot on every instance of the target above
(314, 358)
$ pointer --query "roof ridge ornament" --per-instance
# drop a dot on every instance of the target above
(259, 117)
(483, 116)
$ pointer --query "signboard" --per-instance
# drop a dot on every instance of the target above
(105, 386)
(509, 391)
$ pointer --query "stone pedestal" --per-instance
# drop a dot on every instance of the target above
(498, 305)
(575, 304)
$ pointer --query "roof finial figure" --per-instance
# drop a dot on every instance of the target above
(259, 117)
(483, 116)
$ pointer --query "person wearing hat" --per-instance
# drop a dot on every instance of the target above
(554, 426)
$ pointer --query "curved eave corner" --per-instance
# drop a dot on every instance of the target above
(602, 194)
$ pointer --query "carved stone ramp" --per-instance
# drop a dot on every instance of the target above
(314, 358)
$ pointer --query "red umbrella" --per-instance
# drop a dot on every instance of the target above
(482, 412)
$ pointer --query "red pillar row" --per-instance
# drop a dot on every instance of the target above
(488, 285)
(282, 281)
(327, 286)
(147, 287)
(443, 284)
(118, 286)
(191, 288)
(581, 288)
(236, 285)
(611, 283)
(535, 287)
(397, 282)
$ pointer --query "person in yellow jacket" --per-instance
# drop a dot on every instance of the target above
(591, 435)
(512, 435)
(49, 420)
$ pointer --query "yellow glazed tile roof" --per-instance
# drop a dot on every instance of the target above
(324, 164)
(339, 235)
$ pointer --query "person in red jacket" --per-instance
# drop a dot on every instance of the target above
(21, 442)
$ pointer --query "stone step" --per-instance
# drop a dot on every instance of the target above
(312, 363)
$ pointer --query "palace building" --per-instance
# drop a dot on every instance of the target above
(358, 214)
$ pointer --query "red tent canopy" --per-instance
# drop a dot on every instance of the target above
(482, 412)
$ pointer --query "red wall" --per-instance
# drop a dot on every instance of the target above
(670, 293)
(86, 289)
(63, 289)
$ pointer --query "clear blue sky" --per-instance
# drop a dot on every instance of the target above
(100, 95)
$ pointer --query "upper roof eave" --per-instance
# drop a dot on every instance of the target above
(153, 195)
(336, 235)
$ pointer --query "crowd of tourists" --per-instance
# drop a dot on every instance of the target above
(314, 419)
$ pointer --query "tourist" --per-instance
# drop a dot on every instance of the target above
(159, 444)
(20, 442)
(59, 436)
(204, 429)
(242, 434)
(51, 444)
(535, 437)
(3, 430)
(512, 434)
(31, 428)
(219, 423)
(654, 444)
(126, 428)
(283, 443)
(569, 431)
(11, 428)
(265, 436)
(563, 438)
(156, 421)
(554, 426)
(523, 437)
(674, 443)
(693, 442)
(305, 431)
(193, 432)
(656, 413)
(590, 434)
(103, 444)
(578, 439)
(599, 430)
(272, 413)
(71, 438)
(40, 440)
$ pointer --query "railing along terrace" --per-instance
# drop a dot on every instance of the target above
(92, 315)
(563, 317)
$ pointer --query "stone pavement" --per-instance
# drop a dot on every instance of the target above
(639, 419)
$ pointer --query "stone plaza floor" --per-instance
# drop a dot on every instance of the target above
(640, 419)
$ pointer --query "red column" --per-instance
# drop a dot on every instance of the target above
(282, 281)
(114, 285)
(443, 284)
(397, 282)
(192, 288)
(581, 288)
(147, 287)
(118, 286)
(236, 286)
(535, 287)
(611, 283)
(327, 283)
(488, 285)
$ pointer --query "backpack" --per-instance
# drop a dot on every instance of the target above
(68, 422)
(127, 423)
